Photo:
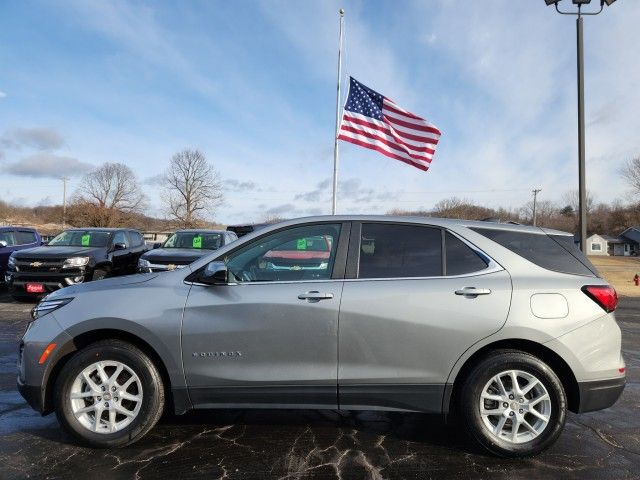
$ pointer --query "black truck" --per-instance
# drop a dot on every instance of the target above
(76, 255)
(184, 247)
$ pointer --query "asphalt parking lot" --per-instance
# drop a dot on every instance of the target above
(313, 444)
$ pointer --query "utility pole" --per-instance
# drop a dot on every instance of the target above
(536, 191)
(64, 202)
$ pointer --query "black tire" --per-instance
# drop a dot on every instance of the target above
(470, 396)
(100, 273)
(153, 398)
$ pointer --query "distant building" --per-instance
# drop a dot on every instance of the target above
(624, 245)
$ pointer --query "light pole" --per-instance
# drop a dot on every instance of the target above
(582, 190)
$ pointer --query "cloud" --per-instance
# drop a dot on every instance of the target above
(48, 165)
(281, 209)
(350, 189)
(40, 138)
(237, 186)
(2, 94)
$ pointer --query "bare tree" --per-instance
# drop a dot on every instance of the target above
(631, 174)
(546, 210)
(107, 195)
(572, 199)
(192, 188)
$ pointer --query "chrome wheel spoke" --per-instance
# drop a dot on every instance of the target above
(101, 373)
(114, 376)
(90, 408)
(128, 396)
(537, 400)
(495, 398)
(92, 385)
(500, 425)
(112, 420)
(126, 384)
(97, 419)
(498, 380)
(529, 387)
(536, 413)
(515, 387)
(515, 426)
(122, 410)
(86, 394)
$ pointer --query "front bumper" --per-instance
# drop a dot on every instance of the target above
(600, 394)
(34, 379)
(33, 394)
(17, 281)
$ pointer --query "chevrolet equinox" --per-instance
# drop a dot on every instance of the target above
(508, 326)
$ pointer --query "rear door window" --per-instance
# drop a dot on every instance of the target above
(541, 249)
(25, 237)
(399, 251)
(460, 258)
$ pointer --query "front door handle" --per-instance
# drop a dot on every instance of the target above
(315, 296)
(472, 291)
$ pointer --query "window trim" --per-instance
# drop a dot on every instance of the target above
(353, 260)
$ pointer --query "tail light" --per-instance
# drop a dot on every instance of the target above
(603, 295)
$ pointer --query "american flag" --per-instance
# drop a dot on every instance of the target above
(373, 121)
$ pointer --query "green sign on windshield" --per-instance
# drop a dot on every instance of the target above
(86, 240)
(301, 244)
(197, 242)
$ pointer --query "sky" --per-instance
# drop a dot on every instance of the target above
(253, 85)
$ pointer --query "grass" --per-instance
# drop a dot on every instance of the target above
(619, 272)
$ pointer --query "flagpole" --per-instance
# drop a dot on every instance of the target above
(335, 145)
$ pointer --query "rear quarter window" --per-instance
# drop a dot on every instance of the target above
(542, 249)
(24, 237)
(460, 259)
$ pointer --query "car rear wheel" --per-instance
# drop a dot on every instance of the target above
(513, 403)
(109, 394)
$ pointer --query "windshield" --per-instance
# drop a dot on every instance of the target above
(199, 240)
(81, 238)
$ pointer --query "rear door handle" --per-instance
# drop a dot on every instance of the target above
(315, 296)
(472, 291)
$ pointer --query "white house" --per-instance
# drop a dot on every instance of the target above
(624, 245)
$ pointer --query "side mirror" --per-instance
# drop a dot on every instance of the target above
(157, 245)
(215, 273)
(119, 246)
(3, 244)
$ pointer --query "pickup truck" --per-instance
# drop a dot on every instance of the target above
(184, 247)
(75, 256)
(13, 239)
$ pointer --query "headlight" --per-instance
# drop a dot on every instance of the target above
(143, 263)
(12, 262)
(46, 306)
(75, 262)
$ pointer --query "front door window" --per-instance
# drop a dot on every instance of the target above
(295, 254)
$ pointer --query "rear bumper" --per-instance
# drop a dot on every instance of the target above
(600, 394)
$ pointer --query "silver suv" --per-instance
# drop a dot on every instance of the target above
(509, 326)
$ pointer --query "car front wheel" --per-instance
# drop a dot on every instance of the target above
(109, 394)
(514, 404)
